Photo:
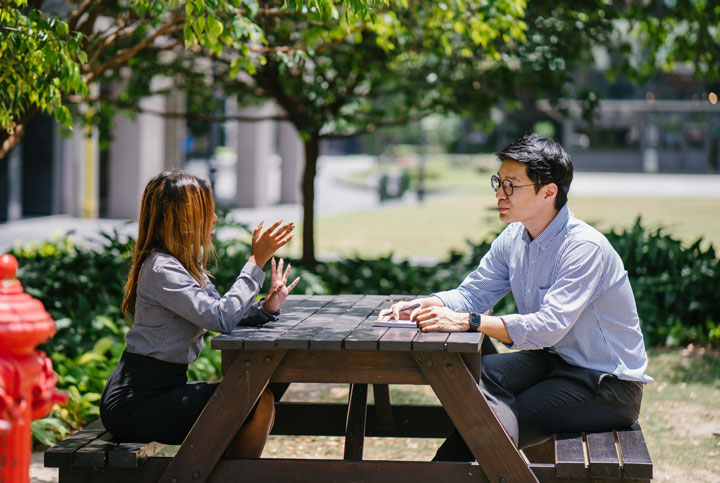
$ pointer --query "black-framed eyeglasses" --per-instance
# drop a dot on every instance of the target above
(507, 185)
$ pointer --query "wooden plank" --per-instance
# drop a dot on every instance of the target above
(329, 419)
(223, 416)
(541, 453)
(488, 346)
(233, 340)
(570, 455)
(464, 342)
(355, 425)
(61, 455)
(264, 337)
(383, 409)
(602, 455)
(545, 473)
(397, 339)
(636, 461)
(365, 337)
(302, 471)
(473, 361)
(456, 388)
(130, 455)
(334, 334)
(149, 472)
(94, 454)
(430, 341)
(362, 367)
(299, 337)
(294, 471)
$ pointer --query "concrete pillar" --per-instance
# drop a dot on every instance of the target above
(136, 155)
(14, 185)
(254, 143)
(651, 138)
(78, 174)
(175, 131)
(292, 155)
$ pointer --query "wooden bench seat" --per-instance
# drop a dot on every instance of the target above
(618, 455)
(92, 454)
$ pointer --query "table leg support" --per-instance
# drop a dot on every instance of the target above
(456, 388)
(223, 416)
(383, 410)
(356, 418)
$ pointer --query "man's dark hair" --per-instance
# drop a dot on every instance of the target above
(545, 162)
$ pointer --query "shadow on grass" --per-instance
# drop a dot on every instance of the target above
(690, 365)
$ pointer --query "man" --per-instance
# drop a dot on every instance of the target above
(580, 360)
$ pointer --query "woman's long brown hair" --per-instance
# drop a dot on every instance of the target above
(176, 215)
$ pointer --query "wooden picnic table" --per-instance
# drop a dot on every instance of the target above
(330, 339)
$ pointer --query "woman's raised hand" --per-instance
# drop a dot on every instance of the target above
(266, 243)
(279, 289)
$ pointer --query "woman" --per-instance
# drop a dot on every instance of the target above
(171, 303)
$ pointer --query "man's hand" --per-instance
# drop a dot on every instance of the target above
(441, 319)
(265, 244)
(398, 310)
(279, 289)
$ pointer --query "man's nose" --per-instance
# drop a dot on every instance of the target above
(500, 194)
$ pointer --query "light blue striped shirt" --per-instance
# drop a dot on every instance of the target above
(572, 292)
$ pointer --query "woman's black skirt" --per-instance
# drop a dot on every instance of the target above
(146, 399)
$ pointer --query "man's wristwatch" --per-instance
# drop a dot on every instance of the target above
(475, 321)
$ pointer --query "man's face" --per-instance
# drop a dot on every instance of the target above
(524, 204)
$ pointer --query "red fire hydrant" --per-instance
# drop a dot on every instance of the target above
(27, 380)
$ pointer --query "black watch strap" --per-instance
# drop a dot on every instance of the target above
(475, 321)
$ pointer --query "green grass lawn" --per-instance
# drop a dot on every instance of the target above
(442, 223)
(680, 418)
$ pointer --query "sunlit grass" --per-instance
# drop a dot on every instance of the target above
(442, 223)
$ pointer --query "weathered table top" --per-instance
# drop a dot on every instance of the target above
(341, 322)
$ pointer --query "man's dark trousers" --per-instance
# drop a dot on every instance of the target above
(536, 394)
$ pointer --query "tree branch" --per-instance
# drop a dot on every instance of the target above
(77, 13)
(372, 127)
(174, 114)
(124, 55)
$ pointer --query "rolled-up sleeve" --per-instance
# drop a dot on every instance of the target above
(175, 289)
(579, 278)
(485, 286)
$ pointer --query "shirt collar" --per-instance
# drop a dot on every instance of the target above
(552, 230)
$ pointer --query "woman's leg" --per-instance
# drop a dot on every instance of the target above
(250, 440)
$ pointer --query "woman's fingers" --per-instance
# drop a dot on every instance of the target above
(292, 285)
(284, 241)
(273, 271)
(286, 274)
(273, 226)
(284, 230)
(279, 272)
(256, 231)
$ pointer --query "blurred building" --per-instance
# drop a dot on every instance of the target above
(250, 164)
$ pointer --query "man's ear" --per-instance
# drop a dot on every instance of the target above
(550, 191)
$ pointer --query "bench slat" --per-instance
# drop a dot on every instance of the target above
(130, 455)
(569, 455)
(94, 454)
(635, 455)
(602, 455)
(61, 455)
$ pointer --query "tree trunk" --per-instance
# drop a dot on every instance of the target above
(9, 141)
(312, 150)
